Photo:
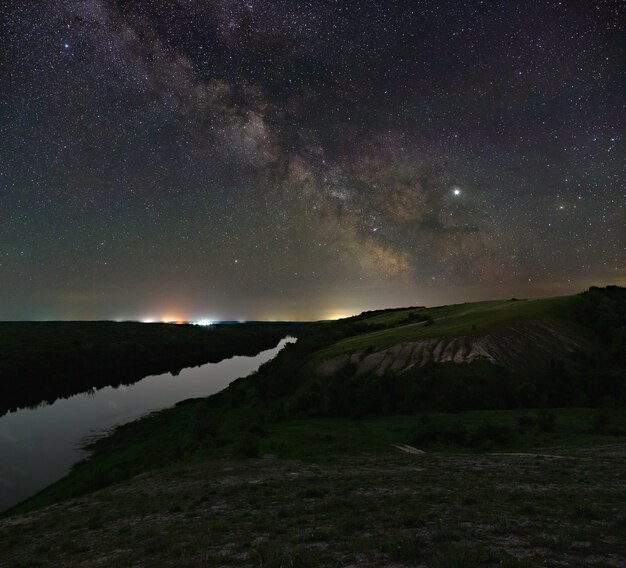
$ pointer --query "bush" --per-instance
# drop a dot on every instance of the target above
(604, 422)
(493, 433)
(601, 423)
(203, 423)
(546, 420)
(246, 446)
(436, 432)
(525, 423)
(257, 429)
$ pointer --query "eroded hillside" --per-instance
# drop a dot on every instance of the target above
(517, 347)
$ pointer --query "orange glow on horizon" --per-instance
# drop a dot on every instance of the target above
(339, 315)
(173, 320)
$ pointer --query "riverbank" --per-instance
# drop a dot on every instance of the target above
(43, 361)
(38, 446)
(193, 432)
(450, 463)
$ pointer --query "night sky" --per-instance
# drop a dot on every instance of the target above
(273, 159)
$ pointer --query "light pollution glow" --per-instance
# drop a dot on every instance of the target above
(223, 163)
(169, 318)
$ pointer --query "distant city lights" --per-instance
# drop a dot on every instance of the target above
(175, 320)
(339, 315)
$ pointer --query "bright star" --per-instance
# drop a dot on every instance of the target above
(456, 191)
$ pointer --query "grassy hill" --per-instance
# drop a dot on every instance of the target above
(470, 319)
(480, 418)
(254, 412)
(574, 347)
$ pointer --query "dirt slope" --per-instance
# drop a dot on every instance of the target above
(521, 346)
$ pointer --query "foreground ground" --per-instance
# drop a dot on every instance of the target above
(554, 507)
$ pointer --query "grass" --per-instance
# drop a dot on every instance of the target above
(201, 484)
(315, 438)
(381, 509)
(452, 321)
(166, 438)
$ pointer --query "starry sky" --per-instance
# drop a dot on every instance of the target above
(284, 159)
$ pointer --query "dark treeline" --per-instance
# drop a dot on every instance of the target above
(287, 388)
(43, 361)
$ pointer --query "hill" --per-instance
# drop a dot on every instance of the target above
(488, 417)
(488, 355)
(514, 334)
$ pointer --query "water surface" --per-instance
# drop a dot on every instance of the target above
(39, 445)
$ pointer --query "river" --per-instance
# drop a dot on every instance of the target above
(39, 445)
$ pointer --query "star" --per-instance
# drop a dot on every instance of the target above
(369, 153)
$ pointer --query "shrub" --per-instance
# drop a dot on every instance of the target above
(492, 432)
(604, 422)
(204, 424)
(257, 429)
(546, 420)
(246, 446)
(601, 423)
(437, 432)
(525, 423)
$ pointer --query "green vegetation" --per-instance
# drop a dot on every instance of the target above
(520, 469)
(290, 388)
(345, 413)
(41, 361)
(452, 321)
(172, 436)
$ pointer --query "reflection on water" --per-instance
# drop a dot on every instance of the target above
(39, 445)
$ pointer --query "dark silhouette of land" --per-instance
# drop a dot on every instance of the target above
(436, 457)
(43, 361)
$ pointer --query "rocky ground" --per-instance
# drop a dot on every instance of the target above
(558, 508)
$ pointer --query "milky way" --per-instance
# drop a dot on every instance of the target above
(283, 159)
